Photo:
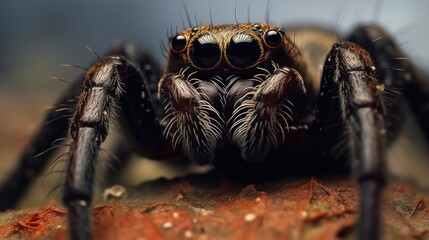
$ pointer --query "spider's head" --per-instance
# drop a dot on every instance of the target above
(226, 48)
(230, 84)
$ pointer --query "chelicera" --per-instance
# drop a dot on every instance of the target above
(252, 99)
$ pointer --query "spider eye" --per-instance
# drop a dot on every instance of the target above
(204, 51)
(243, 51)
(273, 38)
(178, 43)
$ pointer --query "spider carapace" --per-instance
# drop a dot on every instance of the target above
(244, 97)
(229, 85)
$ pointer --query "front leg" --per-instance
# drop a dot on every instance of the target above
(350, 99)
(103, 98)
(89, 128)
(396, 71)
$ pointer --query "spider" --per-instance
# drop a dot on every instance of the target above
(252, 99)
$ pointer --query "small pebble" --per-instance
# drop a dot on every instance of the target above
(83, 203)
(114, 193)
(304, 214)
(189, 234)
(167, 225)
(250, 217)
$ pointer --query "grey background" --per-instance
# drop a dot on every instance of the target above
(37, 36)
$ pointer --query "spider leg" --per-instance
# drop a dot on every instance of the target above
(54, 127)
(396, 71)
(140, 110)
(56, 123)
(113, 86)
(350, 99)
(88, 130)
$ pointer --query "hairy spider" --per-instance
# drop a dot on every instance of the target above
(251, 99)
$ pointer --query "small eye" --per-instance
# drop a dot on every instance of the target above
(178, 43)
(273, 38)
(204, 52)
(243, 51)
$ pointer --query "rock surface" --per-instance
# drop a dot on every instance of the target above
(201, 207)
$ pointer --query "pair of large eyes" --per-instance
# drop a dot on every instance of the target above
(242, 51)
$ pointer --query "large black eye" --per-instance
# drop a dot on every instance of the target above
(273, 38)
(204, 51)
(178, 43)
(243, 51)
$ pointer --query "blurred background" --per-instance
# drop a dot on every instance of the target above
(38, 36)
